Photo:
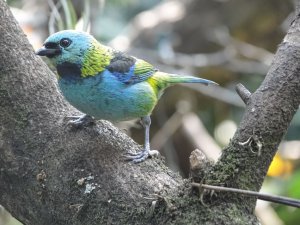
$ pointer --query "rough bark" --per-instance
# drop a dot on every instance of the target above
(46, 167)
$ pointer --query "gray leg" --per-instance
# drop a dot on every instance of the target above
(146, 122)
(146, 152)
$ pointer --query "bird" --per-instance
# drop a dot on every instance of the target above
(107, 84)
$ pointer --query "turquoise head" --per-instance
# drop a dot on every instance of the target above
(67, 46)
(76, 48)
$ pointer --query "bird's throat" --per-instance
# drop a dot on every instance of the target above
(69, 71)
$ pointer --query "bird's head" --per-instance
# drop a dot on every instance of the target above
(67, 46)
(69, 49)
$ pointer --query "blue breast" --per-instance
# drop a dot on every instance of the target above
(104, 96)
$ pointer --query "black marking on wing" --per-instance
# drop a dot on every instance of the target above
(130, 70)
(121, 63)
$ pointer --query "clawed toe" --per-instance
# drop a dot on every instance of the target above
(80, 121)
(141, 156)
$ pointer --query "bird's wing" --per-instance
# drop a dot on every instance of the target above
(130, 70)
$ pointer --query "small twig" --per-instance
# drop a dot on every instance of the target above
(86, 16)
(261, 196)
(54, 16)
(243, 92)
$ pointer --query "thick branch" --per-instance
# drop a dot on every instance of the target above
(51, 174)
(244, 163)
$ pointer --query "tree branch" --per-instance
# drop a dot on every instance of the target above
(264, 123)
(42, 160)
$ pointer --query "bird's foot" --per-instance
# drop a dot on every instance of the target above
(141, 156)
(80, 121)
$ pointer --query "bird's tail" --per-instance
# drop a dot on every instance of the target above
(174, 79)
(162, 80)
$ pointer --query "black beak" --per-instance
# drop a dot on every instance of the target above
(49, 52)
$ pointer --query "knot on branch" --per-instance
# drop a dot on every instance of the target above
(199, 164)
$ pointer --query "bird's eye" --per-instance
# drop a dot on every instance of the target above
(65, 42)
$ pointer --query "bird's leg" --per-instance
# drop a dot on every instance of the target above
(80, 121)
(146, 152)
(146, 122)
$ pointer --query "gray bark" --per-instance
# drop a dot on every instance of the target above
(46, 167)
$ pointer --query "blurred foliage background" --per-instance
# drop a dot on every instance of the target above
(228, 41)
